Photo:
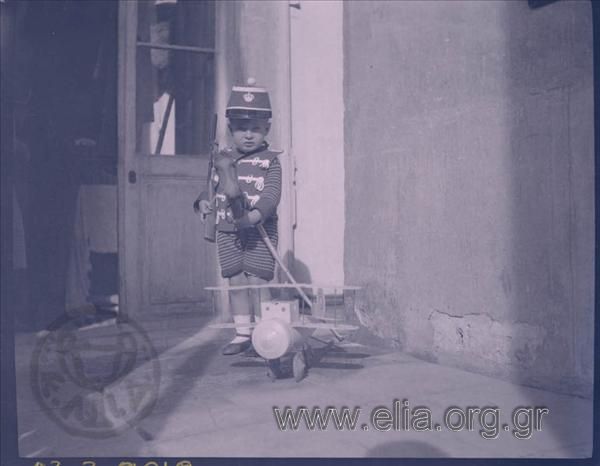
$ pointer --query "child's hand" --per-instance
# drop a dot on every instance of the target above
(249, 219)
(203, 207)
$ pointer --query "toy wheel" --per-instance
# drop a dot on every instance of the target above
(273, 369)
(299, 366)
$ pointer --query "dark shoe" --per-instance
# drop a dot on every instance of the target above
(236, 348)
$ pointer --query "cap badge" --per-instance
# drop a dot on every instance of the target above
(248, 97)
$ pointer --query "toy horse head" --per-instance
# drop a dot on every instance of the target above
(228, 182)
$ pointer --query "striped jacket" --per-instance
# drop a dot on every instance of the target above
(259, 178)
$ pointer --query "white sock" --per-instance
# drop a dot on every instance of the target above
(242, 332)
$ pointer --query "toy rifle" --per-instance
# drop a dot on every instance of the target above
(210, 224)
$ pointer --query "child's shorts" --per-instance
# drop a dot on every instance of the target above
(245, 251)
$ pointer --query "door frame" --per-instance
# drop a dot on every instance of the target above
(127, 195)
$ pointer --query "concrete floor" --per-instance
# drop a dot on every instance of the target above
(211, 405)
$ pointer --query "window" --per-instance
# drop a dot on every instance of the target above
(175, 77)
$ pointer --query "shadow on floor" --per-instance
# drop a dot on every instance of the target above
(405, 449)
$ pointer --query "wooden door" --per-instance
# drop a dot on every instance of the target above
(166, 102)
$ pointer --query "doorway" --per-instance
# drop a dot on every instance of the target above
(103, 217)
(65, 165)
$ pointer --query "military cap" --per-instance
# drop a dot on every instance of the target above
(247, 102)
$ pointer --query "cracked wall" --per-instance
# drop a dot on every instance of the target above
(496, 342)
(469, 183)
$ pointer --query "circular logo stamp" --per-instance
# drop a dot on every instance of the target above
(95, 382)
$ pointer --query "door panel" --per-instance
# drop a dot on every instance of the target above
(177, 259)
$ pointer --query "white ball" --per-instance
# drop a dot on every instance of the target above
(251, 81)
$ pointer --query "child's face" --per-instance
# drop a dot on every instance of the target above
(248, 135)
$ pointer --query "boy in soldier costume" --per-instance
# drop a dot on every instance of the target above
(246, 185)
